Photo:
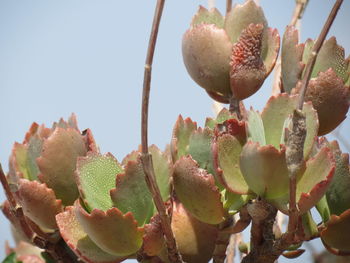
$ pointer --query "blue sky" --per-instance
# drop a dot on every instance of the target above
(87, 57)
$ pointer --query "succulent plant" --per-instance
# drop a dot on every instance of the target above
(230, 55)
(42, 168)
(328, 89)
(78, 205)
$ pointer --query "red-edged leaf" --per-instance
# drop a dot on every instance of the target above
(314, 182)
(336, 234)
(195, 239)
(181, 136)
(197, 191)
(114, 232)
(267, 176)
(205, 16)
(80, 243)
(131, 193)
(39, 203)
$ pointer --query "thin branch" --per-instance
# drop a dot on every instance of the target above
(316, 48)
(228, 6)
(146, 157)
(222, 241)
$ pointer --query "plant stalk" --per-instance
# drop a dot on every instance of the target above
(228, 6)
(146, 157)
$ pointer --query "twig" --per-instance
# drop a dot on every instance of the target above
(228, 6)
(146, 157)
(316, 48)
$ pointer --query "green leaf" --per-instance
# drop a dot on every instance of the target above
(312, 185)
(131, 193)
(256, 128)
(227, 150)
(96, 175)
(11, 258)
(275, 113)
(291, 59)
(267, 176)
(309, 226)
(331, 55)
(323, 209)
(181, 136)
(241, 16)
(205, 16)
(200, 148)
(163, 171)
(196, 189)
(338, 194)
(233, 202)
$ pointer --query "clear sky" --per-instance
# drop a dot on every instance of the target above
(87, 57)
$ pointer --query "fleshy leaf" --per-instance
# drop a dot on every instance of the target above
(233, 202)
(18, 161)
(335, 236)
(200, 148)
(271, 49)
(113, 232)
(95, 176)
(195, 239)
(277, 110)
(39, 203)
(163, 171)
(80, 243)
(205, 16)
(268, 176)
(206, 51)
(310, 230)
(181, 136)
(227, 150)
(57, 163)
(323, 208)
(241, 16)
(338, 194)
(153, 240)
(256, 131)
(312, 185)
(330, 98)
(332, 56)
(90, 141)
(291, 59)
(197, 191)
(131, 193)
(247, 72)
